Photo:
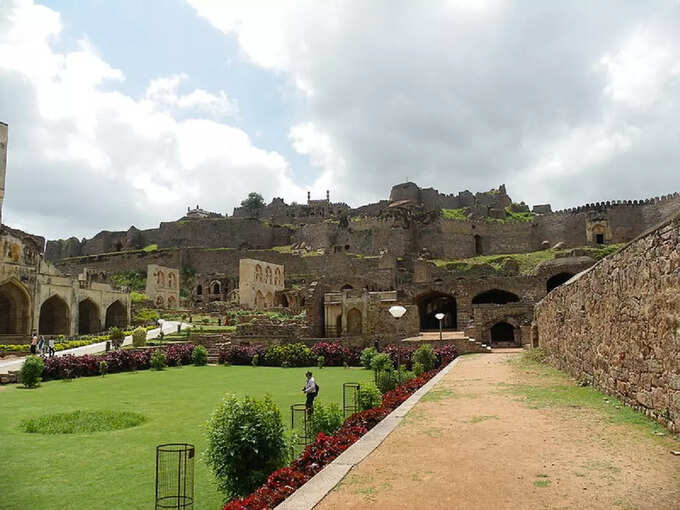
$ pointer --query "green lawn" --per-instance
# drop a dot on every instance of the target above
(116, 469)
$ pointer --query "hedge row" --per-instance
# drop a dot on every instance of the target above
(335, 354)
(285, 481)
(69, 366)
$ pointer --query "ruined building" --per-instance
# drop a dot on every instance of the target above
(36, 296)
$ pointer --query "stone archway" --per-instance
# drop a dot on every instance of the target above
(432, 303)
(503, 334)
(354, 322)
(269, 300)
(88, 317)
(495, 297)
(15, 309)
(259, 300)
(55, 317)
(116, 315)
(557, 280)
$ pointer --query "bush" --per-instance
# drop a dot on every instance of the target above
(146, 316)
(117, 336)
(425, 356)
(335, 354)
(256, 360)
(139, 337)
(385, 380)
(320, 361)
(31, 371)
(103, 368)
(367, 356)
(418, 369)
(381, 362)
(199, 356)
(326, 419)
(158, 360)
(400, 354)
(298, 355)
(245, 443)
(369, 397)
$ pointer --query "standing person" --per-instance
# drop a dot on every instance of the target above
(51, 346)
(311, 389)
(34, 342)
(41, 345)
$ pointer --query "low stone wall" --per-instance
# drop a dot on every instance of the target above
(617, 324)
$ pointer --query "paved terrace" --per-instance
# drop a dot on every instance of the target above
(485, 437)
(168, 327)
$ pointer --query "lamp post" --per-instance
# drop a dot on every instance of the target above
(397, 311)
(440, 316)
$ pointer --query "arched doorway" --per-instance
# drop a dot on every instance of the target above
(15, 310)
(354, 322)
(88, 317)
(269, 300)
(199, 290)
(347, 286)
(502, 333)
(338, 325)
(558, 280)
(172, 302)
(215, 288)
(116, 315)
(55, 317)
(433, 303)
(478, 245)
(160, 302)
(259, 300)
(495, 297)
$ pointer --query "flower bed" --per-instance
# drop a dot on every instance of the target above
(285, 481)
(69, 366)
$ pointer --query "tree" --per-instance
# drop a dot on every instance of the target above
(253, 202)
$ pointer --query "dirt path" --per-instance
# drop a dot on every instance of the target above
(502, 432)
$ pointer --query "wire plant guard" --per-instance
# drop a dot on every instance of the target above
(301, 425)
(350, 398)
(175, 476)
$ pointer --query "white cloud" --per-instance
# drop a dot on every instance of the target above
(457, 94)
(164, 92)
(84, 156)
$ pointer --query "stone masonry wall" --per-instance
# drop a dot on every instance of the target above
(617, 325)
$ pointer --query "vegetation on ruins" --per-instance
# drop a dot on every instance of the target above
(245, 443)
(527, 261)
(253, 202)
(133, 280)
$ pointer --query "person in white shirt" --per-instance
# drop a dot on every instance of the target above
(311, 390)
(51, 346)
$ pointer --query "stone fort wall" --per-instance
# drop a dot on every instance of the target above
(617, 325)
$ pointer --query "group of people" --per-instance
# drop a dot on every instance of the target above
(41, 346)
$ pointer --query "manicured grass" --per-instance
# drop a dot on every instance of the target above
(79, 421)
(116, 469)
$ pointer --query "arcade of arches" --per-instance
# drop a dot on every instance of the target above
(116, 315)
(88, 317)
(433, 303)
(55, 317)
(15, 310)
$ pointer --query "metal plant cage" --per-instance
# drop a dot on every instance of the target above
(350, 398)
(175, 476)
(301, 424)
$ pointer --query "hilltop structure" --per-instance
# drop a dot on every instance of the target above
(481, 259)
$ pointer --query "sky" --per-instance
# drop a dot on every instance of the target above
(124, 113)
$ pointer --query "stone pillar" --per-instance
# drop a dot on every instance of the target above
(3, 163)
